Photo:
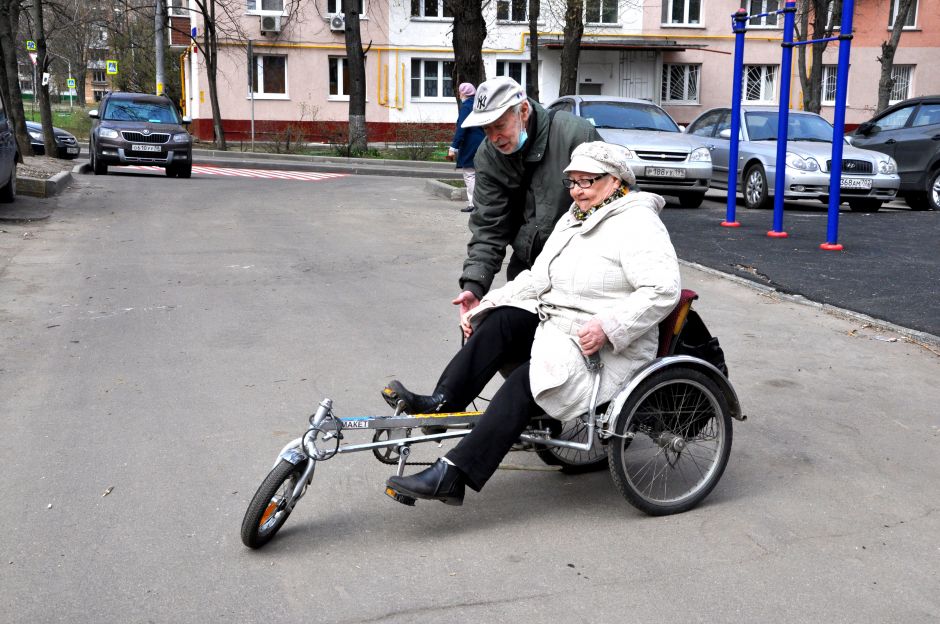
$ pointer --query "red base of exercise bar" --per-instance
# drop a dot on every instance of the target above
(831, 246)
(776, 234)
(730, 224)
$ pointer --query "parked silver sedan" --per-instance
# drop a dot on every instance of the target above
(868, 178)
(663, 159)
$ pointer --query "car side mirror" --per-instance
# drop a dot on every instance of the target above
(726, 134)
(187, 120)
(867, 128)
(682, 128)
(93, 113)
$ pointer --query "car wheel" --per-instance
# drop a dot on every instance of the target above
(8, 191)
(933, 190)
(171, 171)
(691, 200)
(185, 171)
(917, 201)
(864, 205)
(755, 188)
(96, 165)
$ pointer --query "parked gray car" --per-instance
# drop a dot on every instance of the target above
(868, 178)
(663, 159)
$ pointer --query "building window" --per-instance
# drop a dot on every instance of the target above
(336, 6)
(178, 8)
(265, 6)
(829, 84)
(517, 70)
(760, 82)
(270, 76)
(911, 15)
(432, 79)
(512, 10)
(430, 8)
(99, 75)
(756, 7)
(680, 84)
(902, 76)
(600, 11)
(682, 12)
(339, 76)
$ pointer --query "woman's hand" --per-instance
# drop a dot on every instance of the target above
(591, 337)
(465, 318)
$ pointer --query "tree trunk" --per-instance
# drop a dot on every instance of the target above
(211, 53)
(42, 65)
(571, 48)
(822, 28)
(9, 24)
(469, 33)
(888, 48)
(534, 10)
(356, 65)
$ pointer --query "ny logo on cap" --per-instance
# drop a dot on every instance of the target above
(481, 102)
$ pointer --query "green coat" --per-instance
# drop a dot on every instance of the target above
(511, 212)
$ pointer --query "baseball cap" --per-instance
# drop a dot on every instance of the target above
(493, 98)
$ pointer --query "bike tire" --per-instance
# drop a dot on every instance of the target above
(266, 513)
(681, 424)
(570, 460)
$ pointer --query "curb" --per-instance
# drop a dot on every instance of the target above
(38, 187)
(442, 189)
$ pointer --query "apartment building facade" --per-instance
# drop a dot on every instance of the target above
(674, 52)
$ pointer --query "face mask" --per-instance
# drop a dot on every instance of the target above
(523, 137)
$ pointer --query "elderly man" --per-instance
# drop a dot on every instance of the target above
(518, 195)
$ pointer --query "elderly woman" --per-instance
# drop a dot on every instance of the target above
(606, 277)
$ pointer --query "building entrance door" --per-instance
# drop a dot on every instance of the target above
(638, 74)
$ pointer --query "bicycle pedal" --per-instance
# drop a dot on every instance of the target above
(401, 498)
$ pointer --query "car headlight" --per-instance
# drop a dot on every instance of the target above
(183, 137)
(107, 133)
(795, 161)
(628, 152)
(35, 135)
(888, 165)
(700, 154)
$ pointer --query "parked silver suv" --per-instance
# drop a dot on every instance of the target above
(663, 159)
(140, 129)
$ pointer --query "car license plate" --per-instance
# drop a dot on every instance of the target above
(71, 150)
(856, 183)
(145, 148)
(665, 172)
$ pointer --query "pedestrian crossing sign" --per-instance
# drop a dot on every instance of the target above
(111, 67)
(70, 83)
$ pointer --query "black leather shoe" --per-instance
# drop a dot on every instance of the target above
(441, 482)
(414, 403)
(467, 209)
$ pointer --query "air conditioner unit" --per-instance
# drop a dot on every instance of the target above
(337, 22)
(270, 24)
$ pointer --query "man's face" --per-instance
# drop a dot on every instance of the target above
(504, 132)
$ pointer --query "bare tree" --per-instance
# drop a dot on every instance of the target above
(469, 34)
(571, 47)
(825, 16)
(535, 7)
(13, 97)
(356, 64)
(888, 48)
(42, 69)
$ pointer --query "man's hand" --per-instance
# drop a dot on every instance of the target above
(467, 301)
(591, 337)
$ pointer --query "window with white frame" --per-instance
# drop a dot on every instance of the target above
(911, 21)
(902, 76)
(265, 6)
(339, 75)
(430, 8)
(336, 6)
(756, 7)
(432, 79)
(829, 84)
(680, 84)
(270, 75)
(178, 8)
(512, 10)
(682, 12)
(517, 70)
(760, 83)
(600, 11)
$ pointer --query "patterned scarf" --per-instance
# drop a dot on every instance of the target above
(581, 215)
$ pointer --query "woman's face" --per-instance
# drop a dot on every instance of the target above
(600, 190)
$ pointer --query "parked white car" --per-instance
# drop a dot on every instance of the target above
(663, 159)
(868, 178)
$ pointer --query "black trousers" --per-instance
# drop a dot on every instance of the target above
(504, 336)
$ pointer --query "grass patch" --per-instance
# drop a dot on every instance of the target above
(455, 183)
(75, 120)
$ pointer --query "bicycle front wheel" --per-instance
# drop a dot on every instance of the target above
(573, 461)
(267, 512)
(677, 428)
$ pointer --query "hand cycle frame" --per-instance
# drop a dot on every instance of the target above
(674, 411)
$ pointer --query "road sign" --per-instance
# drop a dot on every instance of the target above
(111, 67)
(70, 83)
(33, 56)
(30, 45)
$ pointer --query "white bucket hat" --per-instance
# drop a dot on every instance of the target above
(601, 157)
(492, 99)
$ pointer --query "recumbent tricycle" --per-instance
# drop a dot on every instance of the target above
(666, 435)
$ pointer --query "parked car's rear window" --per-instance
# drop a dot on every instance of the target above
(130, 110)
(627, 116)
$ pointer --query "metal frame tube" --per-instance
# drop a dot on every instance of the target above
(783, 118)
(739, 26)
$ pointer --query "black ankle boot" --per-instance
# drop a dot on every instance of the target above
(414, 403)
(441, 482)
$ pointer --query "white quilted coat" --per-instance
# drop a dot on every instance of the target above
(618, 266)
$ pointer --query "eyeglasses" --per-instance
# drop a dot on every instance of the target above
(568, 183)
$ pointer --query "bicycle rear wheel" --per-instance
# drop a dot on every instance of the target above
(679, 439)
(267, 512)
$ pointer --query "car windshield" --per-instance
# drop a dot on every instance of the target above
(762, 126)
(134, 110)
(627, 116)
